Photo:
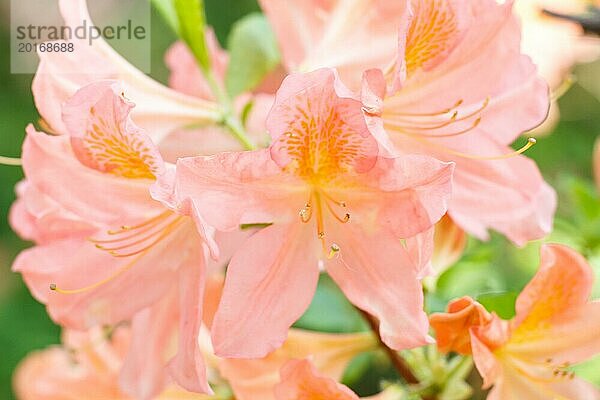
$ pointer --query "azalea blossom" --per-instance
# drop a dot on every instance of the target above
(332, 201)
(86, 366)
(108, 251)
(556, 326)
(349, 35)
(436, 98)
(178, 121)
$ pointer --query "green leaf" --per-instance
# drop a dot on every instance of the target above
(166, 9)
(502, 304)
(253, 53)
(330, 311)
(192, 21)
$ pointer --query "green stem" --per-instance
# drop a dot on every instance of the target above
(230, 120)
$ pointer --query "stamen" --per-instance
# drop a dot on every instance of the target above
(343, 220)
(171, 227)
(151, 221)
(530, 143)
(564, 87)
(431, 114)
(12, 161)
(104, 281)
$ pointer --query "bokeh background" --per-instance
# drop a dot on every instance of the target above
(494, 271)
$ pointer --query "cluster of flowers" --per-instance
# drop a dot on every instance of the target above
(392, 116)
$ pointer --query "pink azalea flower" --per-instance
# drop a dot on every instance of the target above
(159, 110)
(349, 35)
(555, 327)
(112, 253)
(441, 101)
(445, 104)
(332, 202)
(85, 367)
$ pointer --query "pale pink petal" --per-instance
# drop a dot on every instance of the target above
(406, 194)
(160, 110)
(115, 288)
(509, 196)
(378, 275)
(230, 189)
(514, 385)
(352, 36)
(330, 353)
(36, 217)
(144, 375)
(270, 283)
(53, 169)
(317, 107)
(300, 380)
(186, 76)
(187, 368)
(104, 137)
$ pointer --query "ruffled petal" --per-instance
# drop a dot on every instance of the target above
(378, 275)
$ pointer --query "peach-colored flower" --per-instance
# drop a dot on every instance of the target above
(159, 110)
(332, 201)
(112, 252)
(443, 103)
(349, 35)
(86, 367)
(555, 327)
(330, 353)
(300, 380)
(453, 328)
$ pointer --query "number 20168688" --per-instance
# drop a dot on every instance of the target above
(49, 47)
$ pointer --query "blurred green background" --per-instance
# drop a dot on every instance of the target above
(493, 271)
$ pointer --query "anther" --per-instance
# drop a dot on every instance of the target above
(334, 249)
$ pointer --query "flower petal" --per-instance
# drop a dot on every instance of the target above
(300, 380)
(554, 319)
(53, 169)
(160, 110)
(330, 353)
(143, 375)
(187, 368)
(270, 283)
(331, 33)
(453, 328)
(406, 194)
(231, 189)
(104, 137)
(377, 274)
